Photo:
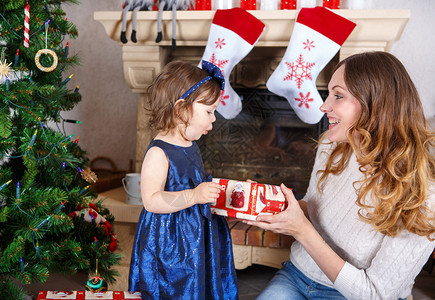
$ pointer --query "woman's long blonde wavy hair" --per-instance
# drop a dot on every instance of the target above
(395, 145)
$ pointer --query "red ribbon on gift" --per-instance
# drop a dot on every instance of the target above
(274, 206)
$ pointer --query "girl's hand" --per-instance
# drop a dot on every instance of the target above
(291, 221)
(206, 192)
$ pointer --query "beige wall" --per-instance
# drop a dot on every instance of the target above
(108, 108)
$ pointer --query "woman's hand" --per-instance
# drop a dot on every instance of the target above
(206, 192)
(292, 221)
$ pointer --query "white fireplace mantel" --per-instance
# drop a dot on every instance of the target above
(375, 30)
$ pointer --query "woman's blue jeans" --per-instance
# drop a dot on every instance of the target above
(290, 283)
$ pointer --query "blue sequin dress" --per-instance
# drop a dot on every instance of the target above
(185, 254)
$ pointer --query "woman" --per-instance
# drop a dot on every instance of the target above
(365, 228)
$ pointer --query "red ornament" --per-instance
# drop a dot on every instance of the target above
(113, 243)
(332, 4)
(107, 228)
(248, 4)
(288, 4)
(203, 5)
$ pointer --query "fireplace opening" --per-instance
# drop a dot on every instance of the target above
(266, 142)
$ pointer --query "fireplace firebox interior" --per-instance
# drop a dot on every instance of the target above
(266, 143)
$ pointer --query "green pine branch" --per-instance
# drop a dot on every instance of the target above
(41, 180)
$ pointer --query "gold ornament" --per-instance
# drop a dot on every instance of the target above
(89, 176)
(5, 69)
(47, 52)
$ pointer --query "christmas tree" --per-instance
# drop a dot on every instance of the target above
(50, 220)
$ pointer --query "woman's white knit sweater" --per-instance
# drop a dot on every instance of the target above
(377, 266)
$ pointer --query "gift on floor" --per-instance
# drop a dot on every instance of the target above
(88, 295)
(247, 200)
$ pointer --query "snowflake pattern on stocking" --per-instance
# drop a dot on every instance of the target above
(219, 43)
(218, 62)
(223, 98)
(299, 71)
(304, 99)
(221, 64)
(308, 45)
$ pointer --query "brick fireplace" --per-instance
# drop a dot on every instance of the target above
(266, 142)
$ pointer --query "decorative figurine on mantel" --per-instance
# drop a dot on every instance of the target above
(137, 5)
(173, 5)
(134, 5)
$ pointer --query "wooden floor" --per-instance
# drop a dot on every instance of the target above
(251, 281)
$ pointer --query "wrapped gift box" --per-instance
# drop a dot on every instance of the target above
(247, 200)
(87, 295)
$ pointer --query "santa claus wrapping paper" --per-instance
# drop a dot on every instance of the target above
(88, 295)
(247, 200)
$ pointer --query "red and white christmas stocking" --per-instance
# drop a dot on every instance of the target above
(233, 34)
(317, 36)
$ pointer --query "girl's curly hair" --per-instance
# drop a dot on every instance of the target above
(174, 80)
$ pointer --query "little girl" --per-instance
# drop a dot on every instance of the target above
(181, 250)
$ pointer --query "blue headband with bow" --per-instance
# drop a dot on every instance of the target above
(214, 73)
